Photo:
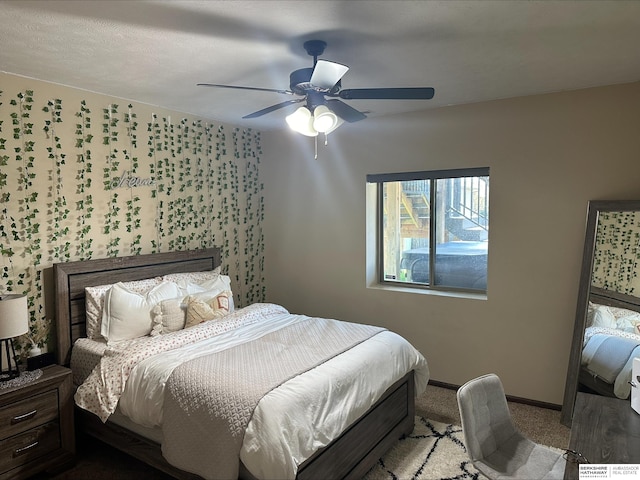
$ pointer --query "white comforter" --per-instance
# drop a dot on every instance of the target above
(613, 369)
(300, 416)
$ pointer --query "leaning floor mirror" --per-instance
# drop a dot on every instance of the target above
(606, 335)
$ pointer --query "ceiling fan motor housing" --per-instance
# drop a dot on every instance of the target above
(300, 83)
(300, 80)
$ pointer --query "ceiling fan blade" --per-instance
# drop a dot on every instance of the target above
(326, 74)
(273, 108)
(286, 92)
(344, 111)
(412, 93)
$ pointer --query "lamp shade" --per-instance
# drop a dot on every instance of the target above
(301, 122)
(14, 316)
(324, 120)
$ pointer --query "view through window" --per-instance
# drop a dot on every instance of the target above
(434, 228)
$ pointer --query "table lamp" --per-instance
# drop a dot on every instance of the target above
(14, 321)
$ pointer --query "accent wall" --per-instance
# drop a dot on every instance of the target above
(86, 176)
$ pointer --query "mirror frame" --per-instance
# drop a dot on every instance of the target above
(584, 290)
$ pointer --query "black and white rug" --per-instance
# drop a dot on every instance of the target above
(434, 451)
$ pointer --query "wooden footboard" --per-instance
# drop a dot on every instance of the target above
(350, 456)
(354, 453)
(591, 384)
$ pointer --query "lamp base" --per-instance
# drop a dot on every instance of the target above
(8, 353)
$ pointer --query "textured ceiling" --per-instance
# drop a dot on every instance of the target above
(469, 51)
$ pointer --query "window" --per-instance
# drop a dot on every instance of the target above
(433, 228)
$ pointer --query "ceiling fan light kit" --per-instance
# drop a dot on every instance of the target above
(323, 80)
(301, 121)
(336, 124)
(324, 120)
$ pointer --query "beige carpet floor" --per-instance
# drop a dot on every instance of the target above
(542, 425)
(438, 406)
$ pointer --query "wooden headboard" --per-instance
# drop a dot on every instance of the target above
(70, 280)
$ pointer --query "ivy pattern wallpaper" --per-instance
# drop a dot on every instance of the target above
(617, 251)
(84, 176)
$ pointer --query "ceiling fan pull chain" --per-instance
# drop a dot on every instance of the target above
(315, 141)
(326, 139)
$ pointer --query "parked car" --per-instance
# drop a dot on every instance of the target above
(458, 264)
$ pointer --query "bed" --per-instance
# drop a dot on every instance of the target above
(611, 342)
(350, 453)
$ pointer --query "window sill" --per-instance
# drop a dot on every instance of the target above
(425, 291)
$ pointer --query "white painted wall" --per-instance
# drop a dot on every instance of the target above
(549, 155)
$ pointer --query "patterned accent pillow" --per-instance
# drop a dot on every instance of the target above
(219, 286)
(94, 302)
(192, 277)
(199, 311)
(168, 316)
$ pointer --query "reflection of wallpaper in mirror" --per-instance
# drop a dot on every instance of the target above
(617, 252)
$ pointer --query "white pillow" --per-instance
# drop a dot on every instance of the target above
(602, 317)
(94, 302)
(219, 282)
(629, 323)
(127, 314)
(207, 289)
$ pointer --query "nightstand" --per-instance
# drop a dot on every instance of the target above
(36, 425)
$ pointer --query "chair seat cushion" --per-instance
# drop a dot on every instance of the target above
(521, 458)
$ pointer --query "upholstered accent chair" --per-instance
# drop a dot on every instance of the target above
(494, 444)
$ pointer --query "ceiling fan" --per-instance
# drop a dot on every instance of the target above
(320, 87)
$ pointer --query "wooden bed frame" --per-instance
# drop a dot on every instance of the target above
(611, 299)
(349, 456)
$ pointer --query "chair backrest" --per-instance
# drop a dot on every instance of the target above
(486, 420)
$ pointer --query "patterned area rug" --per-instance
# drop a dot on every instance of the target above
(434, 451)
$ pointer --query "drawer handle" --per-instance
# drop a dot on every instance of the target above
(22, 418)
(20, 451)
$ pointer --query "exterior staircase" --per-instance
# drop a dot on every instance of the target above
(465, 205)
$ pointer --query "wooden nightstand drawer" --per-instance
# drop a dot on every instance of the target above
(28, 413)
(36, 425)
(25, 447)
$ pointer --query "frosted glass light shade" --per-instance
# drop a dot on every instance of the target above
(324, 120)
(302, 122)
(338, 123)
(14, 316)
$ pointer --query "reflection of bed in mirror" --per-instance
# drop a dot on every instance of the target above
(611, 342)
(605, 338)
